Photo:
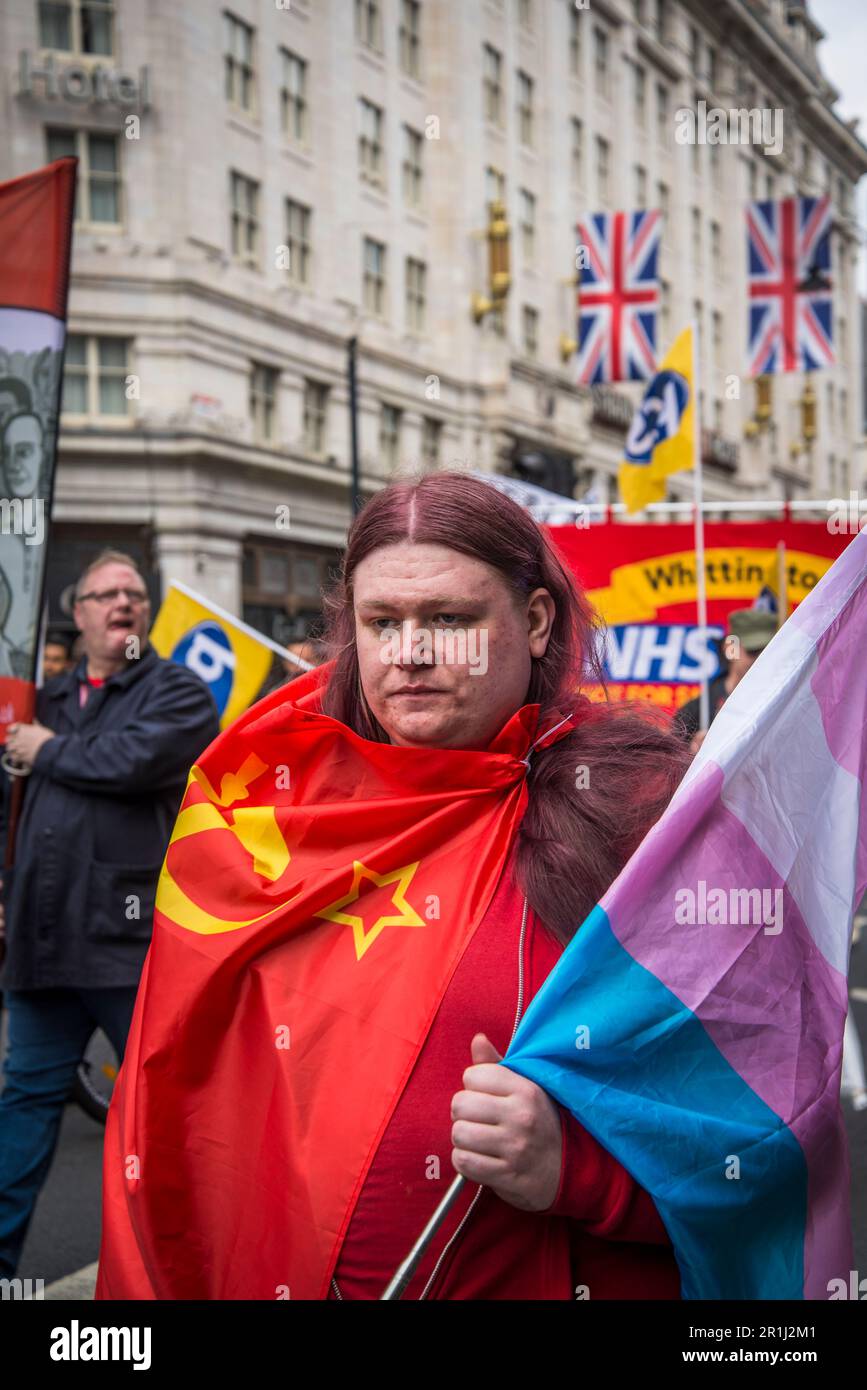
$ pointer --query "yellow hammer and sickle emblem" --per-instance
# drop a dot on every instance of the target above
(255, 826)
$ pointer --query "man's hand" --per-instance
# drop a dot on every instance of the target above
(506, 1133)
(23, 741)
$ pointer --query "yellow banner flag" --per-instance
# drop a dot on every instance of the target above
(230, 657)
(661, 439)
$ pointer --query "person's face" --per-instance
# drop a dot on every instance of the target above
(54, 660)
(106, 626)
(404, 595)
(22, 455)
(738, 667)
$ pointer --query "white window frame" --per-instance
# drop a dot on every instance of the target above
(76, 28)
(298, 240)
(315, 424)
(371, 142)
(415, 294)
(92, 372)
(264, 383)
(236, 67)
(294, 108)
(374, 281)
(246, 219)
(83, 209)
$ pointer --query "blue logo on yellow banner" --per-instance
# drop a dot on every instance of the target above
(206, 649)
(658, 417)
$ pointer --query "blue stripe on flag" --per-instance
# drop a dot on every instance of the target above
(656, 1092)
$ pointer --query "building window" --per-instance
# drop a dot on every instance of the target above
(389, 434)
(495, 185)
(663, 198)
(77, 26)
(770, 186)
(370, 162)
(525, 108)
(238, 60)
(600, 60)
(245, 219)
(410, 37)
(718, 416)
(577, 151)
(416, 294)
(315, 417)
(696, 236)
(844, 410)
(368, 24)
(492, 85)
(640, 186)
(664, 309)
(298, 219)
(640, 95)
(527, 222)
(698, 315)
(603, 165)
(661, 113)
(525, 14)
(530, 320)
(716, 247)
(94, 376)
(694, 49)
(574, 43)
(661, 20)
(413, 146)
(374, 285)
(754, 181)
(97, 198)
(717, 334)
(638, 11)
(715, 165)
(712, 71)
(431, 436)
(293, 96)
(263, 395)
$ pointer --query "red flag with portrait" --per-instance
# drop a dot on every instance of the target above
(36, 213)
(317, 894)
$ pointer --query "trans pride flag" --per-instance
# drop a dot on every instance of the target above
(694, 1025)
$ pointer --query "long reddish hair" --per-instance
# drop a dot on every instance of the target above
(580, 827)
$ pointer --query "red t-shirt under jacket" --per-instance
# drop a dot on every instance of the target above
(602, 1234)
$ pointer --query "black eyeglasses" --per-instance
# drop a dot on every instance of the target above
(107, 596)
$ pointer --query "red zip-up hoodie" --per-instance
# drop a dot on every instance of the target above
(602, 1236)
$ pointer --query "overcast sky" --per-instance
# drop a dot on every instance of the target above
(842, 56)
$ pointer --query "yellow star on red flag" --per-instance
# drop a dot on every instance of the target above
(407, 916)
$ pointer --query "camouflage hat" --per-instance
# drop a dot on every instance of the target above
(752, 628)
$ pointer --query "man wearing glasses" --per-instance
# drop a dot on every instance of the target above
(108, 756)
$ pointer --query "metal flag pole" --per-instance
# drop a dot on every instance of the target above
(405, 1271)
(698, 523)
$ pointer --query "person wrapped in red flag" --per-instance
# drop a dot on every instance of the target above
(372, 872)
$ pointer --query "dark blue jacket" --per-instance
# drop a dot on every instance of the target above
(98, 812)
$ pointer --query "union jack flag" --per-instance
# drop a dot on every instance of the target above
(789, 280)
(618, 298)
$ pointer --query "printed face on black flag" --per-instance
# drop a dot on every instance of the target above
(35, 233)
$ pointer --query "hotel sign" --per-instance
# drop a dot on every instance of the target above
(82, 84)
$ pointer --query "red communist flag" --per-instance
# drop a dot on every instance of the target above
(317, 894)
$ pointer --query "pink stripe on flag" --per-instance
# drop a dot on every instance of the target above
(738, 979)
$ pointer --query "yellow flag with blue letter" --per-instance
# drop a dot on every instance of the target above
(661, 439)
(229, 656)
